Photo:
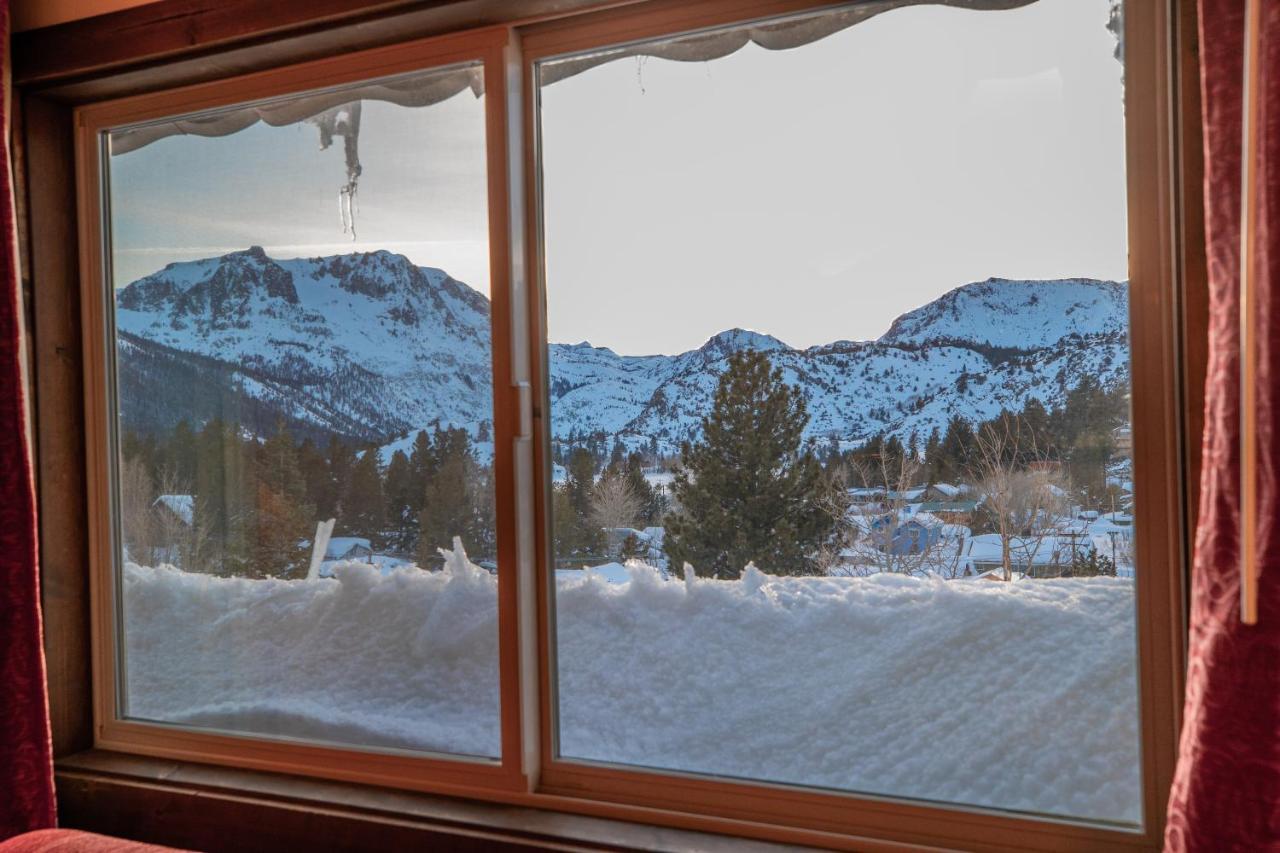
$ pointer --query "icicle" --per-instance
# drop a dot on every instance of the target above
(344, 121)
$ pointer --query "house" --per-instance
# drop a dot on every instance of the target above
(179, 507)
(648, 541)
(349, 548)
(1046, 556)
(1123, 438)
(912, 495)
(952, 510)
(947, 491)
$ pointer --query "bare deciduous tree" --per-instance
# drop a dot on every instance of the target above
(137, 521)
(1020, 489)
(871, 536)
(613, 502)
(156, 532)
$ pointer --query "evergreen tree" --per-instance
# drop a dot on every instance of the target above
(342, 460)
(932, 451)
(746, 491)
(315, 474)
(631, 549)
(402, 517)
(449, 505)
(1084, 429)
(649, 510)
(365, 502)
(580, 536)
(954, 451)
(180, 461)
(282, 521)
(226, 494)
(422, 464)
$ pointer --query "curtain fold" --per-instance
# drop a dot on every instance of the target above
(26, 769)
(1226, 790)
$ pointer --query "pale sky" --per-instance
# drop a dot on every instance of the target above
(814, 194)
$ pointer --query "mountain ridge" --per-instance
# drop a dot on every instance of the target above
(370, 346)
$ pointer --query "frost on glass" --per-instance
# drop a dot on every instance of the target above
(839, 369)
(305, 421)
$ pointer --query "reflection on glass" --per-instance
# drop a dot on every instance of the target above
(842, 480)
(305, 417)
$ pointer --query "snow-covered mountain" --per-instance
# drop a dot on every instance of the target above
(371, 346)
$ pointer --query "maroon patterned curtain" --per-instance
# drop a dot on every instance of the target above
(1226, 790)
(26, 770)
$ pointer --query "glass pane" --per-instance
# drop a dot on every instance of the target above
(839, 379)
(305, 417)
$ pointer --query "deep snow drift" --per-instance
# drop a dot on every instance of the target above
(1015, 695)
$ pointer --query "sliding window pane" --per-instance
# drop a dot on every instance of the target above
(304, 417)
(837, 310)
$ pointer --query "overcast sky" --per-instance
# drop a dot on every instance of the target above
(814, 194)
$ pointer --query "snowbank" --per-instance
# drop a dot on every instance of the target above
(403, 660)
(1008, 695)
(1017, 696)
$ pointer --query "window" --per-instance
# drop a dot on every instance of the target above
(260, 391)
(844, 460)
(709, 413)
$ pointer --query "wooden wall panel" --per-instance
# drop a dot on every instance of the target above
(54, 286)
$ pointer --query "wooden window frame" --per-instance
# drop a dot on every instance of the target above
(1162, 240)
(426, 771)
(1157, 480)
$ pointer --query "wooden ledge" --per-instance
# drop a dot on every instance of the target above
(209, 808)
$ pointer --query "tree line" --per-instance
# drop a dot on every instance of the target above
(253, 504)
(751, 488)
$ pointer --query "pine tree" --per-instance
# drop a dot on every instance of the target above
(315, 474)
(342, 459)
(365, 502)
(578, 535)
(402, 518)
(632, 549)
(649, 510)
(180, 463)
(746, 491)
(953, 454)
(932, 450)
(226, 492)
(422, 464)
(449, 506)
(282, 521)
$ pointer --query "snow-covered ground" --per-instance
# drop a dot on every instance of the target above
(1016, 695)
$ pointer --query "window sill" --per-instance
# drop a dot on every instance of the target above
(203, 807)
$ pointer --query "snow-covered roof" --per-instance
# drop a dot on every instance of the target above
(340, 546)
(608, 572)
(866, 492)
(907, 494)
(986, 548)
(183, 506)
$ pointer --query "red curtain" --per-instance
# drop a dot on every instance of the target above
(26, 770)
(1226, 790)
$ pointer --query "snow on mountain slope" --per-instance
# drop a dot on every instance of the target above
(368, 338)
(1018, 314)
(371, 346)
